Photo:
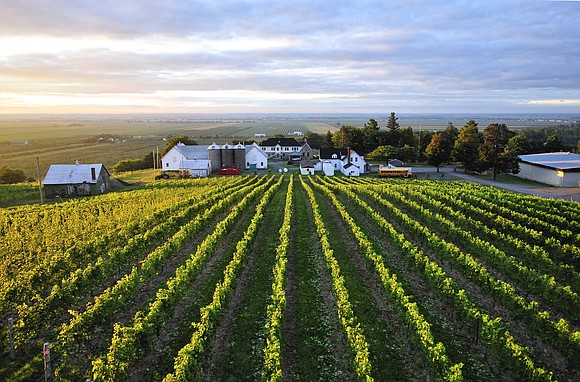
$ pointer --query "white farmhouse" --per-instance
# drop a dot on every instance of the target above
(557, 169)
(347, 161)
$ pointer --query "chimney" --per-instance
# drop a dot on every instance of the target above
(348, 153)
(93, 174)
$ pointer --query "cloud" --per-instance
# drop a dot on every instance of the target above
(364, 55)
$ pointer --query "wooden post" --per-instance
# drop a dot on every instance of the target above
(39, 183)
(47, 370)
(154, 164)
(11, 331)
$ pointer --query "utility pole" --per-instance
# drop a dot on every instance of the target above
(154, 172)
(39, 182)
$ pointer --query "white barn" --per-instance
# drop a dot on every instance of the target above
(256, 158)
(560, 169)
(195, 168)
(180, 152)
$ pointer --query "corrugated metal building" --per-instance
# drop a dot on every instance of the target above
(76, 179)
(560, 169)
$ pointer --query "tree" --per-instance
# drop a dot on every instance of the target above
(314, 140)
(407, 137)
(492, 152)
(393, 130)
(327, 142)
(437, 150)
(370, 133)
(578, 146)
(143, 163)
(407, 153)
(451, 133)
(383, 153)
(465, 149)
(349, 136)
(171, 142)
(8, 176)
(518, 145)
(553, 144)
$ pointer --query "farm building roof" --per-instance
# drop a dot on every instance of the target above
(73, 173)
(284, 142)
(198, 164)
(193, 152)
(564, 161)
(329, 152)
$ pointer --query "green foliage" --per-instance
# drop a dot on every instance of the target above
(438, 151)
(349, 136)
(383, 153)
(8, 176)
(173, 141)
(493, 154)
(393, 130)
(465, 149)
(518, 145)
(145, 162)
(314, 140)
(553, 144)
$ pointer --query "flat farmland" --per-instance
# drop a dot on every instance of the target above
(291, 278)
(67, 140)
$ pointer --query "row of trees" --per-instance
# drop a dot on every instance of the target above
(496, 148)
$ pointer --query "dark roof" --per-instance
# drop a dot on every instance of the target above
(284, 142)
(306, 164)
(328, 153)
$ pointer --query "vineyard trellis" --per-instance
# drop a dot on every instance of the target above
(468, 269)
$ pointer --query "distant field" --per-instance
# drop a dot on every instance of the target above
(67, 139)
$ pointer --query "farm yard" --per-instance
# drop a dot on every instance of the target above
(290, 278)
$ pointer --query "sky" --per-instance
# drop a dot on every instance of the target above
(301, 56)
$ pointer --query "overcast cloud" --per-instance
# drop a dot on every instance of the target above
(289, 56)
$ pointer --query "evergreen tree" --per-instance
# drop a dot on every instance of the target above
(492, 152)
(370, 133)
(451, 133)
(407, 137)
(327, 142)
(393, 130)
(437, 151)
(465, 149)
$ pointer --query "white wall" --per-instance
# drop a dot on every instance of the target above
(172, 160)
(548, 176)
